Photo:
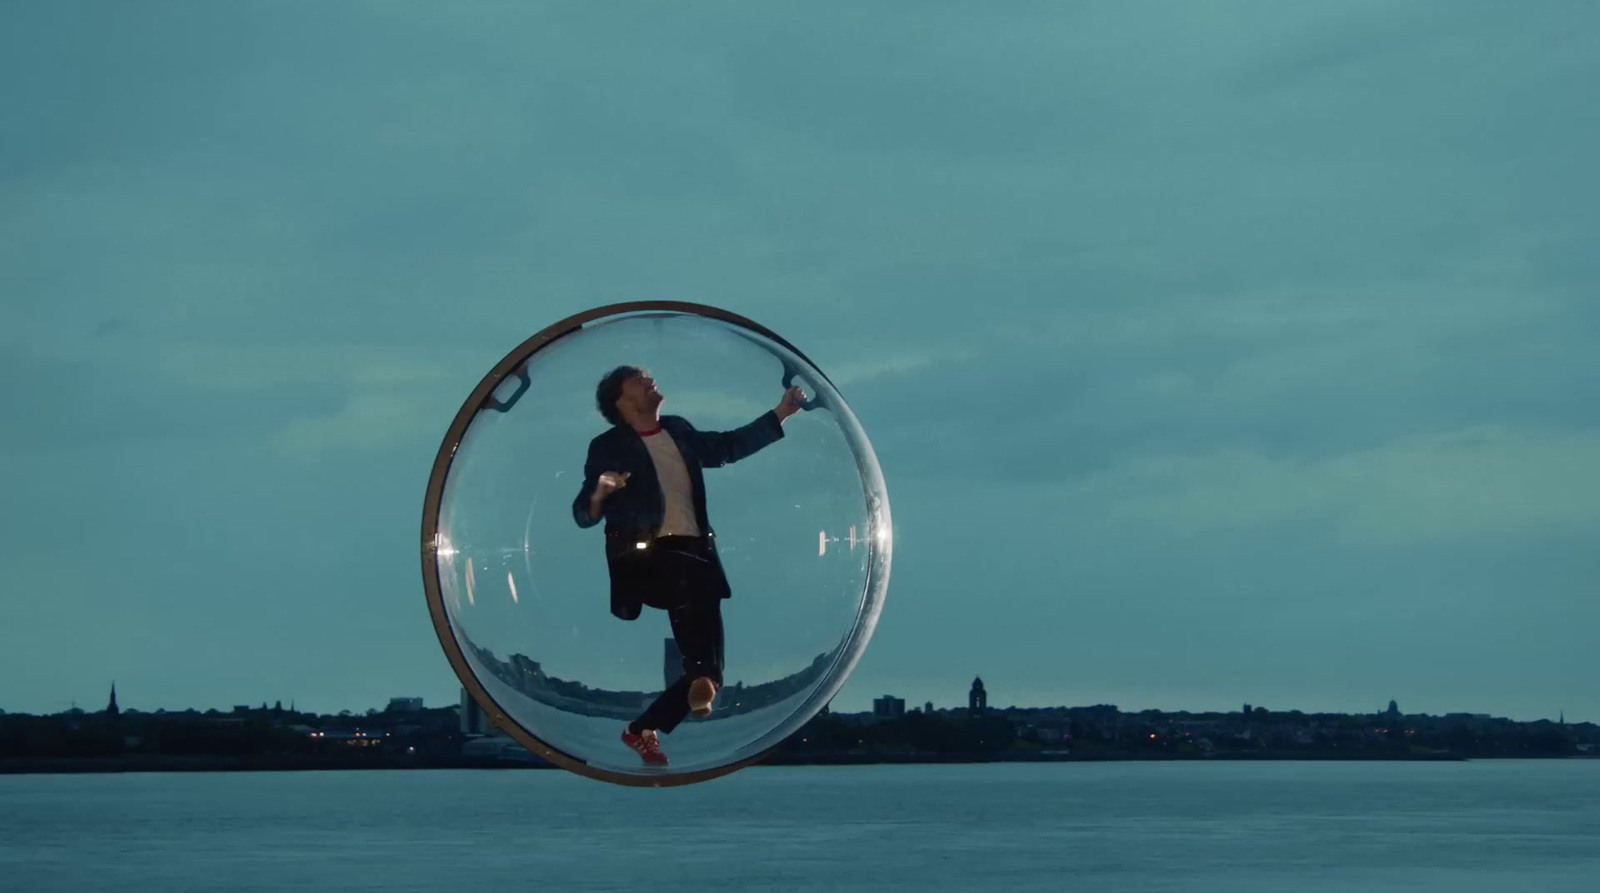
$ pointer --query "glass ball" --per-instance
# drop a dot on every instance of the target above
(521, 580)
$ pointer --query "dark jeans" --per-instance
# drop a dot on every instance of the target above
(683, 587)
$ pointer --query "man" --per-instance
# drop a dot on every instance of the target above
(643, 477)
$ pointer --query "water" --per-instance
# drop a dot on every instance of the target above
(1458, 827)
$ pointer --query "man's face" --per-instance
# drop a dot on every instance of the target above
(639, 391)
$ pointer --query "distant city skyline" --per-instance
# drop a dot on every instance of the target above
(1250, 357)
(872, 705)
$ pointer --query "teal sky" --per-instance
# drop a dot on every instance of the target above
(1214, 352)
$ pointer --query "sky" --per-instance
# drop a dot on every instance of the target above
(1213, 353)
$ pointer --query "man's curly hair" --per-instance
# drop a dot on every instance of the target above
(610, 388)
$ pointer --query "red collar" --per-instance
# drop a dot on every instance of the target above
(655, 430)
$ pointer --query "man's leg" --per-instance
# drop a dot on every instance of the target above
(701, 619)
(672, 581)
(698, 629)
(696, 620)
(666, 711)
(663, 715)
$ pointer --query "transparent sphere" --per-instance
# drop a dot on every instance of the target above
(520, 591)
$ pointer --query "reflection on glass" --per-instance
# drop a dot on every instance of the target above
(529, 594)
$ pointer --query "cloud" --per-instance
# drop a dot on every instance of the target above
(898, 365)
(369, 421)
(252, 366)
(1226, 272)
(1451, 487)
(712, 410)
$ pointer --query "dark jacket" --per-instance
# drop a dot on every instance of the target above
(634, 513)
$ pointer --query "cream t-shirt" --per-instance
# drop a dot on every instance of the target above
(675, 487)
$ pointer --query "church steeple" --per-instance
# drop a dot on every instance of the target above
(112, 710)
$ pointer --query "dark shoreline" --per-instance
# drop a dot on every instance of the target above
(276, 740)
(307, 763)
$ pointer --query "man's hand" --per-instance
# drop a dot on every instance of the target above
(608, 483)
(790, 404)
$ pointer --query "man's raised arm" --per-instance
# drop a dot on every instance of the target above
(718, 448)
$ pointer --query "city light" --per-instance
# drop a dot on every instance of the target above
(853, 537)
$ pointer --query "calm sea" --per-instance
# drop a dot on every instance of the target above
(1500, 826)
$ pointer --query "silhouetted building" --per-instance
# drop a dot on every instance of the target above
(526, 674)
(405, 705)
(473, 719)
(671, 663)
(928, 707)
(1394, 709)
(977, 698)
(112, 710)
(1247, 710)
(888, 705)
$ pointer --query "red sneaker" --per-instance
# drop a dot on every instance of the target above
(646, 746)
